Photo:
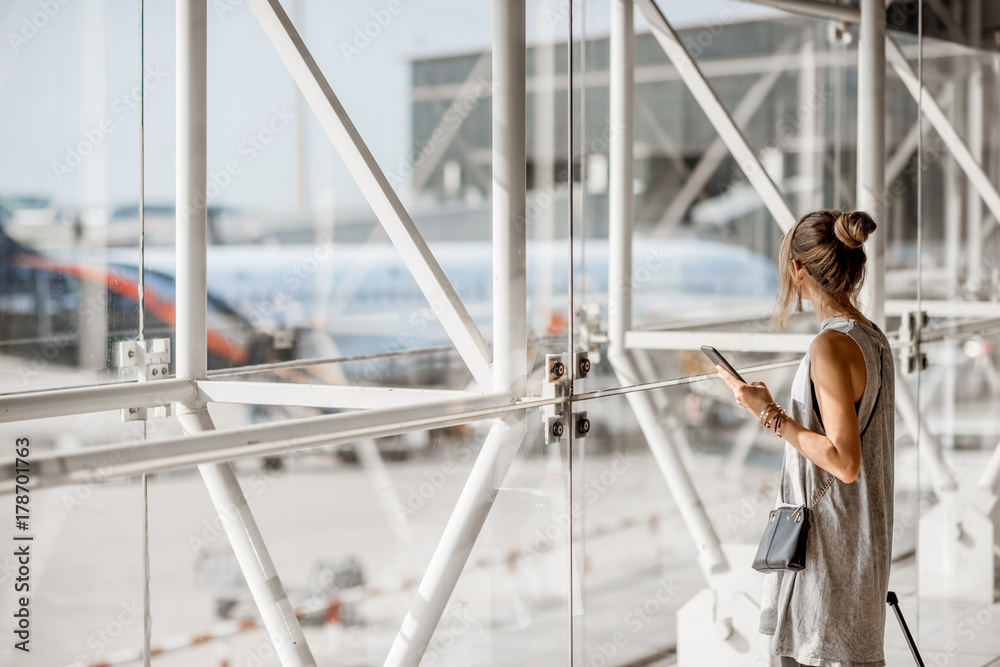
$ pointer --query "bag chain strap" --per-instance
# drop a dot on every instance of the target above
(822, 492)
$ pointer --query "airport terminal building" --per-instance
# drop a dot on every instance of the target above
(374, 333)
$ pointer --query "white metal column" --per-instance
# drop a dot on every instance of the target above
(871, 149)
(974, 126)
(621, 198)
(621, 203)
(809, 163)
(192, 350)
(509, 340)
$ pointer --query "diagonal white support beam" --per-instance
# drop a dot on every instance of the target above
(668, 458)
(457, 541)
(620, 232)
(509, 340)
(119, 461)
(191, 53)
(323, 396)
(251, 550)
(468, 340)
(939, 120)
(716, 153)
(710, 103)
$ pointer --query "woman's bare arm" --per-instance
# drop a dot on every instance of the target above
(832, 355)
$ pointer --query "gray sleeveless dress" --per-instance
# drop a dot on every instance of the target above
(832, 613)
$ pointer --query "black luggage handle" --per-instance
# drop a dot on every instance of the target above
(893, 602)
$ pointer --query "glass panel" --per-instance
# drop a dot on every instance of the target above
(84, 572)
(351, 533)
(956, 393)
(646, 591)
(68, 191)
(955, 560)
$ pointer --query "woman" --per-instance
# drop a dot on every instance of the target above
(839, 436)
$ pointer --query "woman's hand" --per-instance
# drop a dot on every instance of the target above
(754, 397)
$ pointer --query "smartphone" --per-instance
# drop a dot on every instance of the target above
(717, 358)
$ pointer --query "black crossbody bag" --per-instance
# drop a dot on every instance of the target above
(783, 545)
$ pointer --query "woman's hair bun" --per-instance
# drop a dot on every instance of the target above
(853, 229)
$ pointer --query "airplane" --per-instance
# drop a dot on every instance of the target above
(270, 302)
(361, 295)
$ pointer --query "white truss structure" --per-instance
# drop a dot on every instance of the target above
(500, 371)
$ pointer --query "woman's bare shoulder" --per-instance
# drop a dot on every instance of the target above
(835, 347)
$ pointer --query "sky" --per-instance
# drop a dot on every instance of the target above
(70, 70)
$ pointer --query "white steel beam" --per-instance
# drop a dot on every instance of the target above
(930, 447)
(939, 120)
(710, 103)
(621, 227)
(191, 342)
(468, 340)
(944, 308)
(509, 341)
(671, 464)
(621, 197)
(724, 341)
(322, 395)
(125, 460)
(991, 474)
(459, 537)
(250, 549)
(810, 148)
(510, 332)
(975, 132)
(871, 150)
(83, 400)
(191, 34)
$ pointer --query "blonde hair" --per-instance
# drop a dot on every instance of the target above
(830, 245)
